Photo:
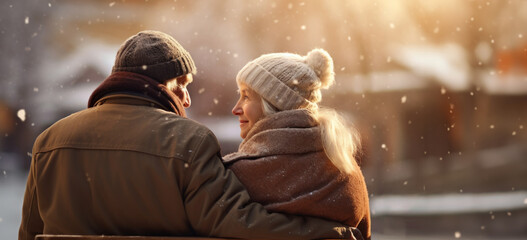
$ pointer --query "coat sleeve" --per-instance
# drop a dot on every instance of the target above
(31, 224)
(218, 205)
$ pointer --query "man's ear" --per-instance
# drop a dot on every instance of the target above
(186, 101)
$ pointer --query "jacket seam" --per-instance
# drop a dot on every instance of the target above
(182, 158)
(30, 213)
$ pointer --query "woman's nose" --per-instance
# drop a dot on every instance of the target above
(237, 110)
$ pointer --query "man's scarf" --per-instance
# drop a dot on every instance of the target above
(127, 82)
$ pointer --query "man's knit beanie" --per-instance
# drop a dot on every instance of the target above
(289, 81)
(154, 54)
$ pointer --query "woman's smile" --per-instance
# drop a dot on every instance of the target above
(249, 109)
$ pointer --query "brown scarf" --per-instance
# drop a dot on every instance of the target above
(127, 82)
(297, 128)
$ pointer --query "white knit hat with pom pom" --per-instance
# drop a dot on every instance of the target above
(289, 81)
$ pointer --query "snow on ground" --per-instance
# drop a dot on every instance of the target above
(12, 187)
(448, 203)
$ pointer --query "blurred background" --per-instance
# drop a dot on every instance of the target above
(437, 89)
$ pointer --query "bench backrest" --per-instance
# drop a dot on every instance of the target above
(106, 237)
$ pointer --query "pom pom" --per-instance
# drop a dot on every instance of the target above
(322, 63)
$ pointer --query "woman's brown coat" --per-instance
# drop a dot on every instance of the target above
(283, 165)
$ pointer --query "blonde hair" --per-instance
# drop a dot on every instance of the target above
(341, 141)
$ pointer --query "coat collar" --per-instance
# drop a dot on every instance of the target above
(129, 99)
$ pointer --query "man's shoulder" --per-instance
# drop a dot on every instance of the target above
(59, 124)
(135, 128)
(187, 136)
(183, 124)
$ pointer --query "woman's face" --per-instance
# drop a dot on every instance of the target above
(248, 109)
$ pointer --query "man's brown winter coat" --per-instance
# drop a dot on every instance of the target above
(283, 165)
(128, 167)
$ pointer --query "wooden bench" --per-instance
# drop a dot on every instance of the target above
(108, 237)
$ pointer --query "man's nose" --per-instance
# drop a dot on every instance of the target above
(188, 101)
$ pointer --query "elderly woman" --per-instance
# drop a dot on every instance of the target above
(296, 157)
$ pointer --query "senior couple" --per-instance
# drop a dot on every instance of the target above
(133, 164)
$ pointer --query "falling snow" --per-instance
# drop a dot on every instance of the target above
(358, 56)
(21, 114)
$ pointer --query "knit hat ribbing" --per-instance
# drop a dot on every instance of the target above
(154, 54)
(289, 81)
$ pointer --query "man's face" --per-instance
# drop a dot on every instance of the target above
(180, 88)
